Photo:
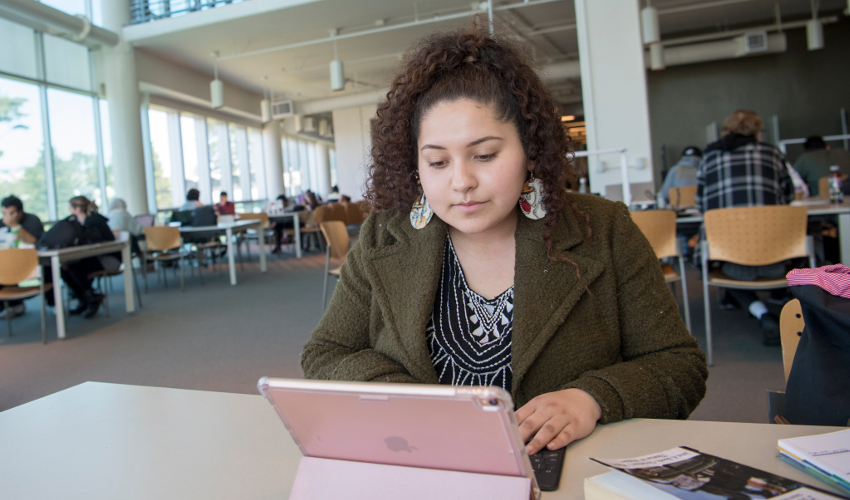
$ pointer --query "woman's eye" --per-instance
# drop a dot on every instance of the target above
(485, 157)
(437, 164)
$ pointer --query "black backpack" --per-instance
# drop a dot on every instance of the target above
(65, 233)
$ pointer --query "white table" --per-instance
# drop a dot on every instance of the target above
(57, 257)
(814, 206)
(227, 228)
(105, 441)
(296, 224)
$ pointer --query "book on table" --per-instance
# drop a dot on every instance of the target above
(824, 456)
(688, 474)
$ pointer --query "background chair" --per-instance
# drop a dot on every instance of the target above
(338, 241)
(251, 234)
(682, 197)
(164, 244)
(104, 275)
(791, 324)
(16, 266)
(659, 227)
(312, 220)
(751, 236)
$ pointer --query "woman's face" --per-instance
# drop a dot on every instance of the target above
(76, 211)
(471, 166)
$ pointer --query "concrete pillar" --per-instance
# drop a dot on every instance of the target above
(273, 159)
(323, 169)
(125, 129)
(613, 81)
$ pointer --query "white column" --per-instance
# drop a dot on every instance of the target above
(323, 169)
(125, 129)
(613, 81)
(273, 159)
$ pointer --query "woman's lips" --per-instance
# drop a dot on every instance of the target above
(470, 206)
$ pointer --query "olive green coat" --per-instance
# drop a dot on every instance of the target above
(624, 342)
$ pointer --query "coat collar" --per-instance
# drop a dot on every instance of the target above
(406, 274)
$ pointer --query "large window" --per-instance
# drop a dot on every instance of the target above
(301, 167)
(257, 164)
(22, 170)
(49, 116)
(161, 155)
(218, 146)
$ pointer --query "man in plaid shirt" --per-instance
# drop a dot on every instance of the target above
(741, 171)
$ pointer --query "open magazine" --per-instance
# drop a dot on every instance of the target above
(688, 474)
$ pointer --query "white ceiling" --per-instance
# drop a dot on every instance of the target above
(302, 73)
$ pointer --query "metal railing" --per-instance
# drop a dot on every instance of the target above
(143, 11)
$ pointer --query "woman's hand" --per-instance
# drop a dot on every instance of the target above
(556, 419)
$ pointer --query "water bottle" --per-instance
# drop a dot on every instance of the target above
(15, 239)
(582, 185)
(835, 193)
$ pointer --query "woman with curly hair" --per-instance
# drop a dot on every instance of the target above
(478, 267)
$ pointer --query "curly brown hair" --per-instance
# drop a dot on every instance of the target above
(468, 64)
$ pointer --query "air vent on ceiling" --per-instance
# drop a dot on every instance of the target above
(755, 41)
(282, 109)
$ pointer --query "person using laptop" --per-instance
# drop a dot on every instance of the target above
(477, 267)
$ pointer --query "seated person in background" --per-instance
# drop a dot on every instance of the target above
(311, 201)
(281, 226)
(193, 197)
(224, 207)
(18, 229)
(683, 173)
(477, 267)
(333, 195)
(93, 228)
(121, 220)
(345, 199)
(814, 163)
(741, 171)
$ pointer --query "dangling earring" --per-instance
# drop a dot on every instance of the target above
(421, 213)
(531, 199)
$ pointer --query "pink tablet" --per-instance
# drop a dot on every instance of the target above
(467, 429)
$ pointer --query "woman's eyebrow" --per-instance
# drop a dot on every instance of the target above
(473, 143)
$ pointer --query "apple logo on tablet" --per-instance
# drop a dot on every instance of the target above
(397, 444)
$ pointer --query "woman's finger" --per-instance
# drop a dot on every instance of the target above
(547, 432)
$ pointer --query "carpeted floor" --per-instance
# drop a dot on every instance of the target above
(217, 337)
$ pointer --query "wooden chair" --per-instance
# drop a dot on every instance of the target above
(312, 222)
(751, 236)
(337, 240)
(251, 234)
(823, 185)
(18, 265)
(102, 275)
(164, 244)
(791, 326)
(682, 197)
(354, 216)
(334, 211)
(659, 227)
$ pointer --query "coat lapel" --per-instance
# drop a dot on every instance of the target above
(545, 291)
(405, 276)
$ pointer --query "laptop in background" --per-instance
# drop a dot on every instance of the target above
(146, 220)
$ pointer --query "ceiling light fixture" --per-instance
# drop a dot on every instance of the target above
(337, 73)
(568, 118)
(814, 29)
(216, 86)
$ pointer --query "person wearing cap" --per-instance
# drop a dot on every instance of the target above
(814, 163)
(683, 173)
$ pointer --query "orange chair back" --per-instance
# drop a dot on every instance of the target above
(337, 237)
(162, 238)
(262, 216)
(659, 227)
(18, 264)
(319, 214)
(756, 236)
(685, 196)
(791, 324)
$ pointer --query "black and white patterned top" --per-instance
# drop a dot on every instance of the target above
(469, 337)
